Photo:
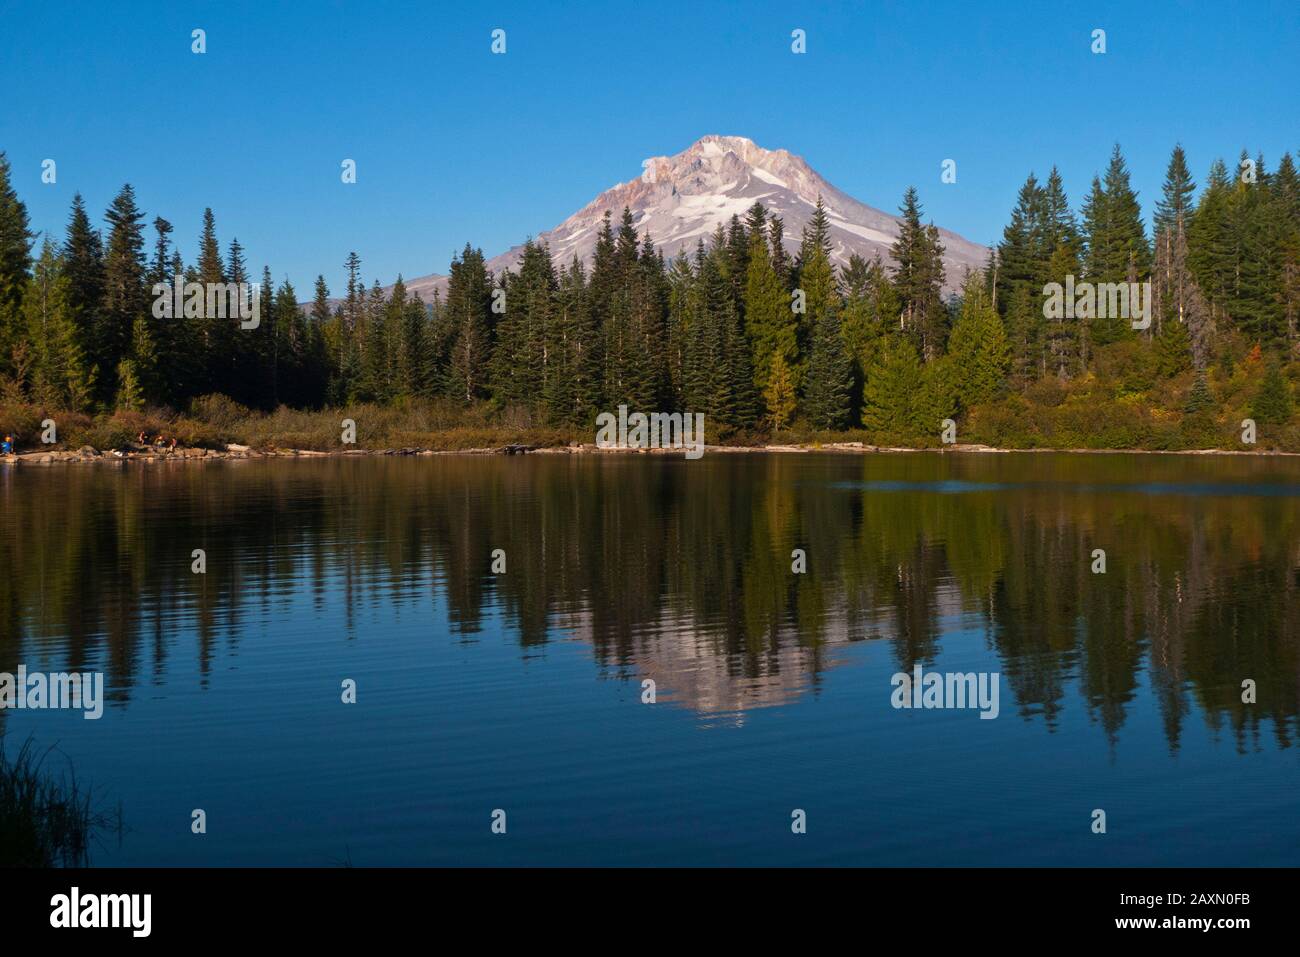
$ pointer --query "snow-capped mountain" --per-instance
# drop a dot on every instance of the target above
(683, 198)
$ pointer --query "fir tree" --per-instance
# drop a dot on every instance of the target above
(1021, 268)
(15, 263)
(469, 316)
(894, 381)
(779, 393)
(1210, 254)
(830, 374)
(780, 258)
(522, 357)
(83, 265)
(145, 368)
(1272, 401)
(1059, 227)
(65, 372)
(1251, 297)
(1173, 349)
(1115, 244)
(919, 277)
(681, 297)
(413, 364)
(769, 322)
(160, 266)
(574, 388)
(1176, 199)
(1201, 398)
(129, 395)
(126, 297)
(979, 349)
(43, 301)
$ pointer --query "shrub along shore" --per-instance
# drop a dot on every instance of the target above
(216, 427)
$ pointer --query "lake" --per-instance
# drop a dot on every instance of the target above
(774, 690)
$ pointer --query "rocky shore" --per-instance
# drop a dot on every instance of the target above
(88, 454)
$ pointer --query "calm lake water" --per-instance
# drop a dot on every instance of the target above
(523, 691)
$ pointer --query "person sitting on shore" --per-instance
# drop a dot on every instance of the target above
(7, 446)
(159, 441)
(140, 438)
(172, 444)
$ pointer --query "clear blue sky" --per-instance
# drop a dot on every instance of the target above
(453, 143)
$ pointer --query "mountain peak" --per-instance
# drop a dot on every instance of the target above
(682, 198)
(725, 162)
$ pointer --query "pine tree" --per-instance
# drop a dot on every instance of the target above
(1173, 349)
(1115, 244)
(1272, 402)
(1209, 253)
(211, 267)
(244, 359)
(1176, 201)
(15, 263)
(742, 411)
(413, 362)
(979, 348)
(780, 257)
(209, 361)
(631, 294)
(1017, 253)
(42, 302)
(1019, 274)
(258, 351)
(919, 277)
(468, 307)
(129, 395)
(1285, 218)
(1252, 297)
(870, 307)
(1201, 398)
(681, 292)
(160, 266)
(320, 303)
(816, 234)
(1116, 240)
(521, 360)
(736, 259)
(148, 375)
(649, 380)
(830, 374)
(1066, 339)
(718, 377)
(376, 335)
(126, 297)
(779, 393)
(1059, 227)
(292, 369)
(1176, 295)
(335, 333)
(815, 276)
(698, 326)
(169, 337)
(573, 389)
(83, 265)
(1170, 276)
(62, 376)
(769, 322)
(894, 382)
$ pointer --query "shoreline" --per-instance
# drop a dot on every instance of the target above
(234, 452)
